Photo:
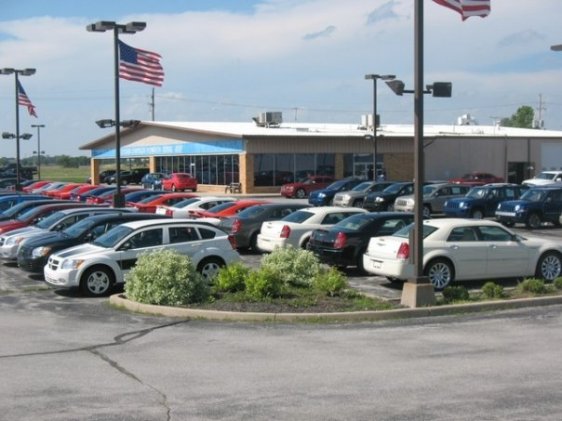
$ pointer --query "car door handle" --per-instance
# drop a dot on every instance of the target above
(455, 247)
(493, 246)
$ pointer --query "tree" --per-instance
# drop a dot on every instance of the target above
(522, 118)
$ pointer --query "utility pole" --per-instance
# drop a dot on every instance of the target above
(539, 123)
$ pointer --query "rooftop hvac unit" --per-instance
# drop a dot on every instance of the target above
(269, 118)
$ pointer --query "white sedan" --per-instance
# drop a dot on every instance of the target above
(187, 207)
(456, 249)
(296, 228)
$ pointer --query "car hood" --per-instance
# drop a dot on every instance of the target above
(50, 239)
(80, 251)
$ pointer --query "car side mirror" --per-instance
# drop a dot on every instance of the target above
(127, 245)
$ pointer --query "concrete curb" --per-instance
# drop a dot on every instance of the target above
(118, 300)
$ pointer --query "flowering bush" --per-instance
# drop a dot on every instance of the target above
(267, 282)
(165, 277)
(330, 281)
(232, 278)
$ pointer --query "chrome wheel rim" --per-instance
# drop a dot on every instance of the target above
(210, 270)
(551, 267)
(98, 282)
(440, 275)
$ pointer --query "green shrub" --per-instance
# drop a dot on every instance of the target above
(165, 277)
(297, 266)
(492, 290)
(330, 281)
(455, 293)
(232, 278)
(532, 285)
(265, 282)
(557, 283)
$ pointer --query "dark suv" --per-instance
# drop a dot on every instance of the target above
(537, 205)
(133, 176)
(482, 201)
(384, 200)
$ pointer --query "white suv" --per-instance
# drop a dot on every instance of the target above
(97, 266)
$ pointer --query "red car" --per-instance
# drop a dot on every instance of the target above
(35, 215)
(36, 185)
(477, 179)
(301, 189)
(77, 191)
(150, 204)
(57, 194)
(179, 181)
(228, 209)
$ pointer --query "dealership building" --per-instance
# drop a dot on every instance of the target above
(265, 153)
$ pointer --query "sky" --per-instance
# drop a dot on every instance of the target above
(231, 60)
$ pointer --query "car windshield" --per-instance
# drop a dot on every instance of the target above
(336, 185)
(50, 220)
(405, 232)
(186, 202)
(221, 207)
(298, 216)
(79, 228)
(546, 176)
(362, 186)
(251, 212)
(147, 199)
(27, 214)
(14, 210)
(534, 195)
(477, 193)
(470, 177)
(428, 190)
(393, 188)
(113, 236)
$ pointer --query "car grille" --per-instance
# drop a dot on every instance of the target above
(506, 207)
(453, 205)
(24, 251)
(53, 263)
(400, 202)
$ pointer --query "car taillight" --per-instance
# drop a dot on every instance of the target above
(403, 251)
(285, 231)
(236, 226)
(341, 239)
(169, 212)
(232, 242)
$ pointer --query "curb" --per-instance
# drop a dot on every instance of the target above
(118, 300)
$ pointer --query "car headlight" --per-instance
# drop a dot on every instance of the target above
(379, 199)
(463, 205)
(518, 208)
(410, 202)
(322, 195)
(11, 241)
(71, 263)
(40, 252)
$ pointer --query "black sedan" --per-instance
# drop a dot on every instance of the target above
(245, 226)
(344, 244)
(34, 253)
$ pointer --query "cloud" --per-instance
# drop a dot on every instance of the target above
(329, 30)
(523, 37)
(382, 13)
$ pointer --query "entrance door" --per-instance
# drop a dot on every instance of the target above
(361, 170)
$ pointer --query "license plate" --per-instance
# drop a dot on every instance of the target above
(377, 264)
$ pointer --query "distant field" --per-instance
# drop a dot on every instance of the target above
(59, 173)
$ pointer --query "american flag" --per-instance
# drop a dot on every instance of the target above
(467, 8)
(140, 65)
(24, 100)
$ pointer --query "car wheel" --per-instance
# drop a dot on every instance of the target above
(390, 207)
(477, 214)
(97, 281)
(550, 266)
(359, 262)
(300, 194)
(358, 203)
(508, 224)
(209, 268)
(254, 242)
(533, 221)
(426, 212)
(440, 273)
(194, 189)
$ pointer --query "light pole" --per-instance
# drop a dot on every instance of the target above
(418, 291)
(128, 28)
(39, 126)
(374, 78)
(16, 72)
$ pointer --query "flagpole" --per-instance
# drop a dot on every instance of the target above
(118, 199)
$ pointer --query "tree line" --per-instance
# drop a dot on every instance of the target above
(60, 160)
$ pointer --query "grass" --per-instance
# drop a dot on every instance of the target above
(59, 173)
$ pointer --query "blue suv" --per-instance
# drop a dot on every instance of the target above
(482, 201)
(537, 205)
(325, 196)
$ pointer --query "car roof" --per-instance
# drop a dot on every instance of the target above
(444, 222)
(323, 209)
(131, 215)
(87, 209)
(166, 221)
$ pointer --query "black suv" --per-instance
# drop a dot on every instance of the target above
(34, 253)
(133, 176)
(384, 200)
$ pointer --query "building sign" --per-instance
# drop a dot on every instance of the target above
(213, 147)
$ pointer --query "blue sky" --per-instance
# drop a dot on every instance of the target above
(230, 60)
